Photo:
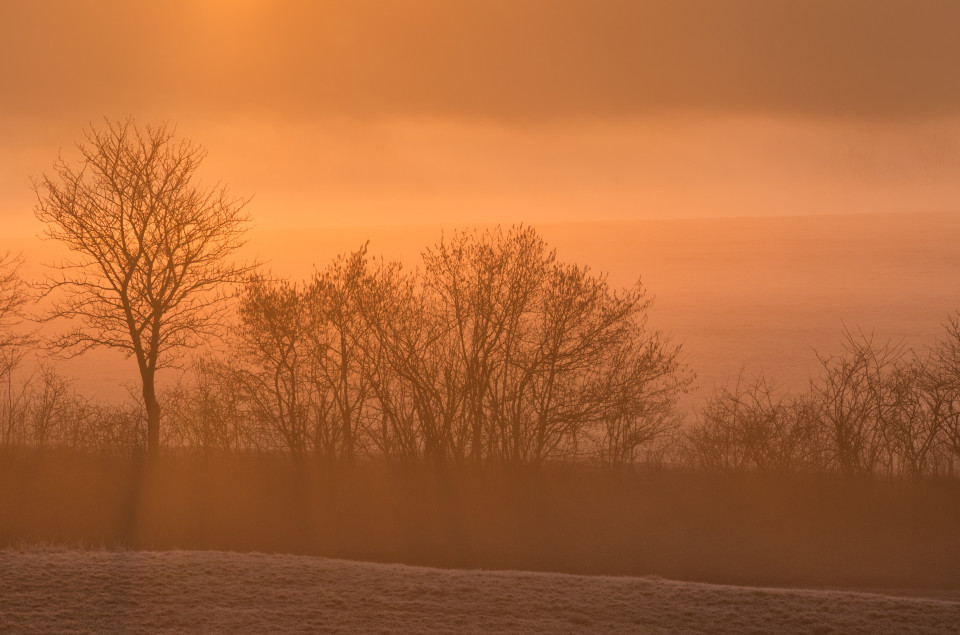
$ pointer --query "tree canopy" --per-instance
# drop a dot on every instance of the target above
(150, 247)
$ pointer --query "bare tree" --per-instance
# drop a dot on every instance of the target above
(943, 390)
(493, 352)
(13, 297)
(340, 338)
(47, 403)
(208, 410)
(484, 286)
(275, 368)
(924, 396)
(149, 248)
(424, 395)
(857, 401)
(396, 354)
(753, 426)
(544, 356)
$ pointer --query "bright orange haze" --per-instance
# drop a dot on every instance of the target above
(739, 294)
(390, 120)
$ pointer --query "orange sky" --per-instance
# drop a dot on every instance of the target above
(395, 113)
(415, 111)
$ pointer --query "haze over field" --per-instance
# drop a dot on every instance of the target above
(745, 294)
(783, 177)
(560, 115)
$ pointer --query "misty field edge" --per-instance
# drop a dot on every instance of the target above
(711, 527)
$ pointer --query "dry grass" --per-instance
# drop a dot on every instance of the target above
(205, 591)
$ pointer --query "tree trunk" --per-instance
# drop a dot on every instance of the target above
(346, 414)
(153, 414)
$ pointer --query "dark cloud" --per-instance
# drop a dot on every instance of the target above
(500, 59)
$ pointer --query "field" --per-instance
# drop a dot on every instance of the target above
(109, 591)
(748, 529)
(887, 540)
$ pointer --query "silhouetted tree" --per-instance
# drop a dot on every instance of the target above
(343, 351)
(13, 297)
(421, 390)
(149, 248)
(47, 406)
(492, 352)
(857, 400)
(399, 337)
(923, 395)
(943, 390)
(305, 364)
(276, 365)
(543, 357)
(208, 410)
(754, 427)
(484, 289)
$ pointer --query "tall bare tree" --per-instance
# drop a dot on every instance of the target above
(149, 248)
(545, 356)
(340, 339)
(484, 285)
(275, 324)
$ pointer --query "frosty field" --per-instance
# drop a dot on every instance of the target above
(44, 590)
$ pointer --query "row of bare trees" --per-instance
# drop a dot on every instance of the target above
(492, 352)
(875, 409)
(38, 407)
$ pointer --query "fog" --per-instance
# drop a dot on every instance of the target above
(361, 282)
(740, 294)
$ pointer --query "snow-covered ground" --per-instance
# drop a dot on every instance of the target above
(44, 590)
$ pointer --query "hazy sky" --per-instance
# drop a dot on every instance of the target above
(477, 110)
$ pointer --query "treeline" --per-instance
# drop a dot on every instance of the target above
(493, 352)
(875, 409)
